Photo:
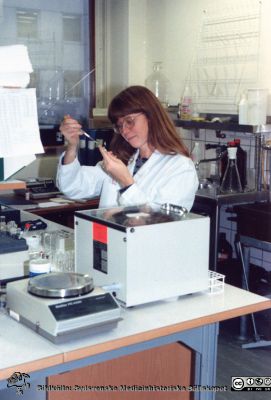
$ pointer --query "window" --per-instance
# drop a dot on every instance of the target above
(27, 24)
(71, 28)
(58, 35)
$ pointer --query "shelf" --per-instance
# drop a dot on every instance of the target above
(222, 126)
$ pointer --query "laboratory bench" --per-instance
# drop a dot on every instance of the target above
(178, 336)
(190, 321)
(62, 214)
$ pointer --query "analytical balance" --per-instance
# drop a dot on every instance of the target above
(147, 253)
(62, 306)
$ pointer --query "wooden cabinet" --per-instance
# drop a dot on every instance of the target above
(166, 365)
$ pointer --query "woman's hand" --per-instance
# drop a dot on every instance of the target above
(71, 129)
(116, 168)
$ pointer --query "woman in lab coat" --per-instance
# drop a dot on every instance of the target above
(148, 161)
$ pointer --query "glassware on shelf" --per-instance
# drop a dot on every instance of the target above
(241, 157)
(158, 83)
(186, 105)
(231, 180)
(196, 156)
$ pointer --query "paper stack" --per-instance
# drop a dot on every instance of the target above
(19, 127)
(15, 66)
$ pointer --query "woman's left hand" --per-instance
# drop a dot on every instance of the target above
(116, 168)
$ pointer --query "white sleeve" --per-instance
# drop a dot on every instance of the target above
(179, 188)
(77, 181)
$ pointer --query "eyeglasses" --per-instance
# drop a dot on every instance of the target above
(128, 122)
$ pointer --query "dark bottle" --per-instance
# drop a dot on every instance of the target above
(224, 248)
(241, 163)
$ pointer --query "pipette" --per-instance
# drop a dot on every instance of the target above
(84, 132)
(91, 138)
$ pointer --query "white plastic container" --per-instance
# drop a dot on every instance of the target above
(257, 106)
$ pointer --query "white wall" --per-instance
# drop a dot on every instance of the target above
(143, 31)
(139, 32)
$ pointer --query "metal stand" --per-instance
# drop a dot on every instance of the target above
(248, 242)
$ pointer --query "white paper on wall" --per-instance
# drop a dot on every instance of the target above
(19, 128)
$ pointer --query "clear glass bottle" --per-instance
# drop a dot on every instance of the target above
(186, 105)
(196, 154)
(158, 83)
(231, 181)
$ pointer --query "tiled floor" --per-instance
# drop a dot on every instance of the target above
(233, 360)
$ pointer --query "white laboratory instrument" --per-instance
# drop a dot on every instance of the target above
(62, 306)
(146, 253)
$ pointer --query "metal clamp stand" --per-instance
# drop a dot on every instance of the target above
(244, 256)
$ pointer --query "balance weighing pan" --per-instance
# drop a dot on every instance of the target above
(60, 285)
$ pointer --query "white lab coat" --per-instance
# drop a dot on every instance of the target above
(162, 179)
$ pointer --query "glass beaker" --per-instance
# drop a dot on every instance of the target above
(59, 248)
(231, 180)
(34, 246)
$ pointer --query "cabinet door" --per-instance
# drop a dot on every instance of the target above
(166, 365)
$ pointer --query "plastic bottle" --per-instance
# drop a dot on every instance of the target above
(186, 106)
(158, 83)
(231, 181)
(243, 110)
(257, 106)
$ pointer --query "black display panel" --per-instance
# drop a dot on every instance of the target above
(100, 256)
(80, 307)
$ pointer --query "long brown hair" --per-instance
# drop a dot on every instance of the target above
(162, 134)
